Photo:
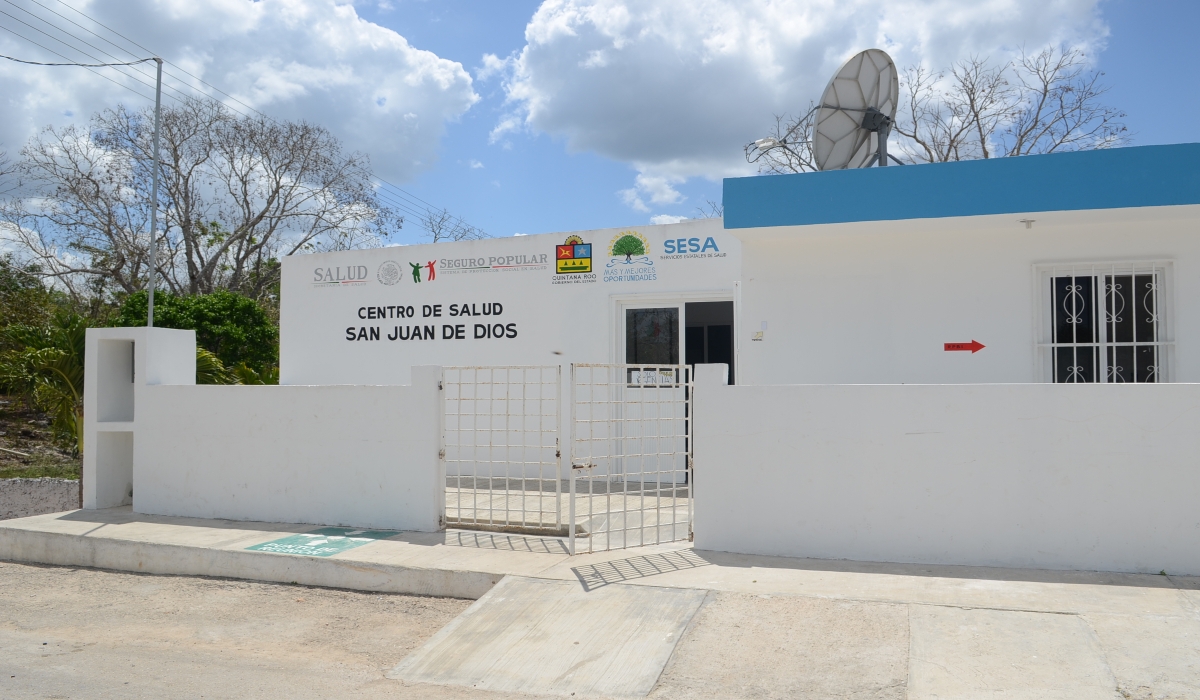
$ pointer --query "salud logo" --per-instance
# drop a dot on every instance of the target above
(389, 273)
(573, 256)
(342, 276)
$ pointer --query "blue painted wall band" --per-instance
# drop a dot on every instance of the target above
(1144, 176)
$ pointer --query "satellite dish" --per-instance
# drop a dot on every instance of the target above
(856, 113)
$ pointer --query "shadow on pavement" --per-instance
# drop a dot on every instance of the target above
(979, 573)
(593, 576)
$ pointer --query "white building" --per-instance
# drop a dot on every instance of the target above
(898, 342)
(843, 277)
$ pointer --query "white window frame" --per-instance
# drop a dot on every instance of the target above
(1044, 273)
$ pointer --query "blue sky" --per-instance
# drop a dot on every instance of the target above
(538, 186)
(533, 186)
(587, 113)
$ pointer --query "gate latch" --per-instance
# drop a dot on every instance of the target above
(582, 466)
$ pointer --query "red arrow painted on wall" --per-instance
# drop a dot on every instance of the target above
(974, 346)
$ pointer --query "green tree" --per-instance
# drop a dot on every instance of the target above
(44, 366)
(232, 327)
(24, 299)
(628, 246)
(210, 369)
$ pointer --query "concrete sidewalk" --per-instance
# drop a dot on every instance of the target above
(798, 625)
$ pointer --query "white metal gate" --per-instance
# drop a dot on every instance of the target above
(631, 455)
(502, 448)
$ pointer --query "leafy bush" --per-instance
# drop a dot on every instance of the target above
(24, 298)
(44, 367)
(232, 327)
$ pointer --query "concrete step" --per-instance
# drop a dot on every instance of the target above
(547, 637)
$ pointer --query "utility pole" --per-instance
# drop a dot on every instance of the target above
(154, 196)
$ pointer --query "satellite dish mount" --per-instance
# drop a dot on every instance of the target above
(860, 101)
(879, 124)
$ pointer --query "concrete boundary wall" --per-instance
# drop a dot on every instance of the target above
(365, 456)
(1086, 477)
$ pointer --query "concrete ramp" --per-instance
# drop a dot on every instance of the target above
(551, 637)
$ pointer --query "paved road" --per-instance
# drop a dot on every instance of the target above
(83, 633)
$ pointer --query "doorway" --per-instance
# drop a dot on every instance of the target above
(708, 334)
(691, 333)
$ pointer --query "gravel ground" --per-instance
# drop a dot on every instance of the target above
(85, 633)
(27, 446)
(20, 498)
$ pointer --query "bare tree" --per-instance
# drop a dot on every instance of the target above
(788, 148)
(1060, 108)
(710, 210)
(7, 167)
(1040, 103)
(953, 117)
(236, 194)
(444, 226)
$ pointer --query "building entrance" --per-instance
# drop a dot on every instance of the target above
(691, 333)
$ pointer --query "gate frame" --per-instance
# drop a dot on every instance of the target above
(507, 525)
(688, 387)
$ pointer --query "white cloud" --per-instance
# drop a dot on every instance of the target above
(658, 188)
(667, 219)
(677, 87)
(297, 59)
(475, 165)
(631, 198)
(492, 66)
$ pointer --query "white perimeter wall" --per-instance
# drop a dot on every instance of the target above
(1092, 477)
(365, 456)
(873, 303)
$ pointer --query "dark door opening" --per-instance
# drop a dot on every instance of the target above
(708, 333)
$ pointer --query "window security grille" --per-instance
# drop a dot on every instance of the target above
(1106, 323)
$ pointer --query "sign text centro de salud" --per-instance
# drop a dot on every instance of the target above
(628, 260)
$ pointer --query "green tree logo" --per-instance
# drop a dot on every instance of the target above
(628, 245)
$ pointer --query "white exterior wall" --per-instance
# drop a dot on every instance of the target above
(365, 456)
(119, 363)
(555, 323)
(1089, 477)
(874, 302)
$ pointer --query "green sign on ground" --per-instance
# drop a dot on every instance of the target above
(324, 542)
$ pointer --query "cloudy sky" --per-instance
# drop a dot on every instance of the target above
(528, 117)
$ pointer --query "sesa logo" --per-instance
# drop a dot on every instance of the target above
(342, 276)
(689, 245)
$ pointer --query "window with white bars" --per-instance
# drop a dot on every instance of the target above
(1106, 322)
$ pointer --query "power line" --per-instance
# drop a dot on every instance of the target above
(82, 65)
(426, 210)
(85, 43)
(65, 58)
(54, 38)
